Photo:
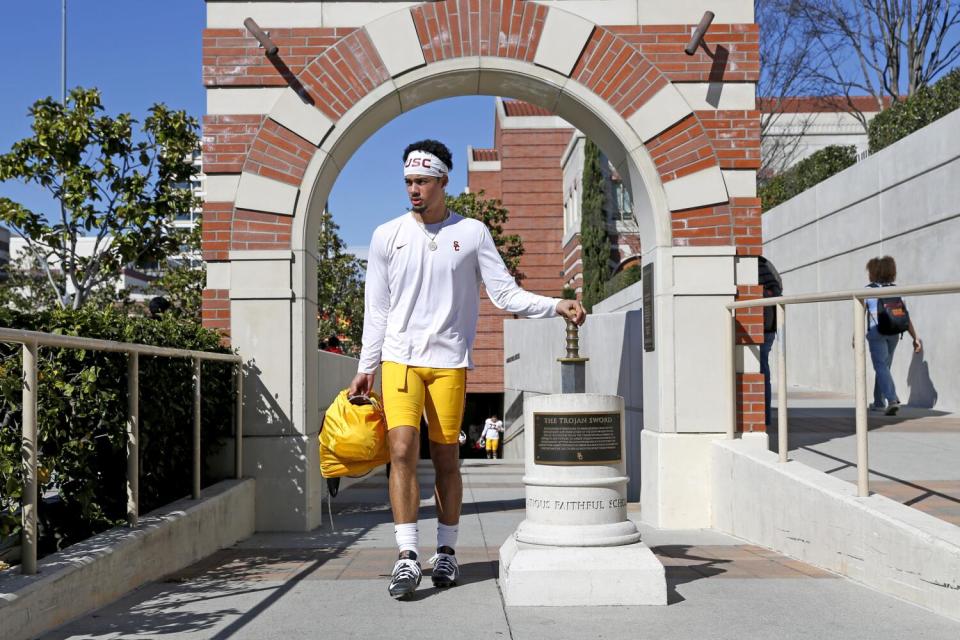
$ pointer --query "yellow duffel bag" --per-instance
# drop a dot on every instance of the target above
(353, 439)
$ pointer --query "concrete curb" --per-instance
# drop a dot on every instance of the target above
(101, 569)
(817, 518)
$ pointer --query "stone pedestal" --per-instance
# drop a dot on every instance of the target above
(541, 576)
(576, 546)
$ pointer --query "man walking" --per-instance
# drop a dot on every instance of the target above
(421, 305)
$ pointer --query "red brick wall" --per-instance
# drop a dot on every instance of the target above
(233, 57)
(227, 140)
(487, 181)
(216, 311)
(738, 45)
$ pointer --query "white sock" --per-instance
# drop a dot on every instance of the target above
(408, 537)
(447, 535)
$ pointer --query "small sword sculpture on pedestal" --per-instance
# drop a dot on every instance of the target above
(573, 367)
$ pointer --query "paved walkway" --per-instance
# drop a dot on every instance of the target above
(332, 584)
(914, 457)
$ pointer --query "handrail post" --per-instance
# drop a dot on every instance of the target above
(732, 373)
(238, 422)
(28, 560)
(133, 438)
(782, 439)
(860, 366)
(196, 428)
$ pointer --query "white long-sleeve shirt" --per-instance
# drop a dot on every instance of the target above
(421, 306)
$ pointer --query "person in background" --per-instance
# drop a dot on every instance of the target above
(772, 288)
(883, 273)
(492, 428)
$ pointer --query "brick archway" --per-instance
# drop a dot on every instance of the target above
(338, 85)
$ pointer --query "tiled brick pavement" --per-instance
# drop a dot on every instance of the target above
(683, 564)
(914, 456)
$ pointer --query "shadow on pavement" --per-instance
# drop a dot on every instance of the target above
(683, 567)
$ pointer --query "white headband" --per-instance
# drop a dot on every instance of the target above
(424, 163)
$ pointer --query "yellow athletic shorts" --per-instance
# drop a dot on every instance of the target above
(410, 391)
(492, 444)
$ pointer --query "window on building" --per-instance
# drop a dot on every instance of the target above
(624, 203)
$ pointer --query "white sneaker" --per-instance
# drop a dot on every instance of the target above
(446, 571)
(405, 577)
(892, 408)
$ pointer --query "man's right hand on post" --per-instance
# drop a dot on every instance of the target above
(361, 385)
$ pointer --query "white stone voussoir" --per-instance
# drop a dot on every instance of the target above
(303, 119)
(441, 79)
(698, 189)
(510, 78)
(395, 38)
(258, 193)
(664, 109)
(562, 41)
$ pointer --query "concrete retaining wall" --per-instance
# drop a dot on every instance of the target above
(101, 569)
(816, 518)
(627, 299)
(905, 202)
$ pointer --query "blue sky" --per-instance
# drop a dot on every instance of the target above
(138, 53)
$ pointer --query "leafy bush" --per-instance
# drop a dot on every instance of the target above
(622, 280)
(81, 420)
(917, 111)
(813, 169)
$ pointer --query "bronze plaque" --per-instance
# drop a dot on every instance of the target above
(648, 341)
(577, 438)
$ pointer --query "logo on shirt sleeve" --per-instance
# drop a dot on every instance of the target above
(456, 246)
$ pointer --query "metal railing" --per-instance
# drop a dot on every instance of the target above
(857, 298)
(31, 341)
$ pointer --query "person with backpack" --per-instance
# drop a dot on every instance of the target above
(887, 320)
(772, 288)
(421, 306)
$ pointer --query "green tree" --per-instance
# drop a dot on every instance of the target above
(594, 244)
(492, 213)
(340, 278)
(120, 187)
(182, 281)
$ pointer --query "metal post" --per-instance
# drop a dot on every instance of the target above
(28, 560)
(238, 423)
(262, 37)
(63, 52)
(732, 373)
(133, 438)
(782, 444)
(196, 428)
(860, 366)
(697, 36)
